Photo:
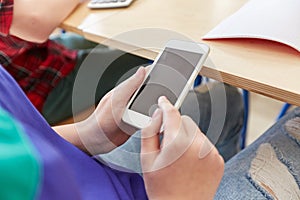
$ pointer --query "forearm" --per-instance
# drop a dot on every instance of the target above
(87, 136)
(35, 20)
(69, 133)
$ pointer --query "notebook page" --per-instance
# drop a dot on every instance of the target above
(277, 20)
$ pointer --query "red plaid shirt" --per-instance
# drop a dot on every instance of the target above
(36, 67)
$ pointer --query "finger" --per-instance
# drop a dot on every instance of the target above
(150, 144)
(150, 135)
(191, 128)
(124, 91)
(171, 119)
(148, 68)
(192, 131)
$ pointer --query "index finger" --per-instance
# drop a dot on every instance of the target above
(171, 119)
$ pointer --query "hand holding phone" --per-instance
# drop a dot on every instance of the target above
(183, 146)
(171, 75)
(104, 130)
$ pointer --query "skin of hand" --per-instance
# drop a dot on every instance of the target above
(185, 165)
(104, 130)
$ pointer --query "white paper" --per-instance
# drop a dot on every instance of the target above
(276, 20)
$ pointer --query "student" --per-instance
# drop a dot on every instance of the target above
(46, 69)
(36, 163)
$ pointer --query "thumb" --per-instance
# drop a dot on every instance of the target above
(126, 89)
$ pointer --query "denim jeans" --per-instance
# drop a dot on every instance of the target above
(199, 105)
(269, 168)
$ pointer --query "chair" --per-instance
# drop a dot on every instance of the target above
(245, 124)
(283, 110)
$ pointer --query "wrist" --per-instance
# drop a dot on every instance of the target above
(69, 132)
(92, 137)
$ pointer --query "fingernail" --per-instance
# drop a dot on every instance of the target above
(206, 148)
(162, 99)
(139, 73)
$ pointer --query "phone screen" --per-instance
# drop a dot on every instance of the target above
(168, 78)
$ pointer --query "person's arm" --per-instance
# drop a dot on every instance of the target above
(104, 130)
(69, 133)
(35, 20)
(185, 165)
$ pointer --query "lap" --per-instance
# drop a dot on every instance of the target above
(269, 168)
(198, 105)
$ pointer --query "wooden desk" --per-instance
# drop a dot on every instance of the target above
(259, 66)
(83, 17)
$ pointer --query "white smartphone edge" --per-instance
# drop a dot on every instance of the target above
(139, 120)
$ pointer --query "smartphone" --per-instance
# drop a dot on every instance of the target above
(172, 75)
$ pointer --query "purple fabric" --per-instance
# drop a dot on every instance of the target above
(67, 172)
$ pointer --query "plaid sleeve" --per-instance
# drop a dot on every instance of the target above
(6, 15)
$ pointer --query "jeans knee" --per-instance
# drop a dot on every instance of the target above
(271, 176)
(292, 128)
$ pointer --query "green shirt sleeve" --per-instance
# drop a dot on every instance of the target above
(19, 163)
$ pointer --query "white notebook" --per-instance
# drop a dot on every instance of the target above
(276, 20)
